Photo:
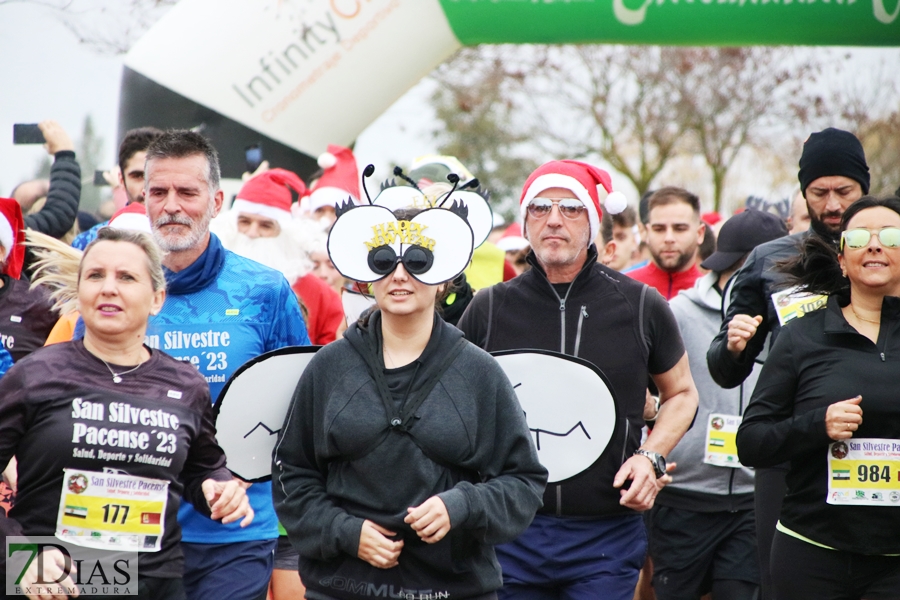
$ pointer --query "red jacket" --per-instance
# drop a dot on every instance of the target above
(666, 283)
(324, 305)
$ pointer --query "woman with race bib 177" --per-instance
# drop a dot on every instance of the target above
(827, 402)
(110, 434)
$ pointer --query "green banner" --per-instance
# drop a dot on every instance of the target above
(677, 22)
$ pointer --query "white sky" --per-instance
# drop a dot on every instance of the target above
(46, 73)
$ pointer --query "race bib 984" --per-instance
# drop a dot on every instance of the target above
(864, 472)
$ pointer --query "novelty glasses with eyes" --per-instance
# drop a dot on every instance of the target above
(416, 260)
(571, 208)
(859, 238)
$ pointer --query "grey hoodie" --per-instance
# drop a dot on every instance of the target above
(696, 485)
(339, 461)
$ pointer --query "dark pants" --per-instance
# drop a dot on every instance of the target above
(802, 571)
(238, 571)
(559, 558)
(770, 489)
(696, 552)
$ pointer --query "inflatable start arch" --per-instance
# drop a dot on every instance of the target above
(295, 75)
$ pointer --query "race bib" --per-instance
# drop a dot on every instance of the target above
(864, 472)
(791, 304)
(109, 511)
(721, 447)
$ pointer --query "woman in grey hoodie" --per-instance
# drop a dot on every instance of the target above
(405, 455)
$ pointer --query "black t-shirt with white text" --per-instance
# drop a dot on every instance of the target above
(60, 409)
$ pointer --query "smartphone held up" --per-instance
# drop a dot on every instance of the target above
(27, 133)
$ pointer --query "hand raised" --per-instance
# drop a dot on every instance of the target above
(741, 330)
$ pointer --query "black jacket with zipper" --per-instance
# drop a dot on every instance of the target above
(596, 320)
(816, 361)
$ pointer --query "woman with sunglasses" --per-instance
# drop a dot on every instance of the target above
(405, 455)
(827, 401)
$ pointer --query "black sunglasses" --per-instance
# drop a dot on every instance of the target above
(416, 260)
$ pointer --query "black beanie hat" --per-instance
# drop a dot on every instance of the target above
(833, 152)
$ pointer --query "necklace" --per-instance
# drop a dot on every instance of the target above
(388, 354)
(861, 318)
(117, 377)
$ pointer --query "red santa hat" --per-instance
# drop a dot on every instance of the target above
(339, 180)
(512, 239)
(268, 195)
(591, 185)
(132, 217)
(12, 228)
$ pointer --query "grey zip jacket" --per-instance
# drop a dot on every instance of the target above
(696, 485)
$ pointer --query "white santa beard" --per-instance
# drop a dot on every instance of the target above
(281, 252)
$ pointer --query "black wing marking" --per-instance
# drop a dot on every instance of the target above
(538, 432)
(264, 426)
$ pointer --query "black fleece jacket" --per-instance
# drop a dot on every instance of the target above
(622, 326)
(338, 461)
(58, 214)
(816, 361)
(751, 294)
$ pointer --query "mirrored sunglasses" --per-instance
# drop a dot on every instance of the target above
(571, 208)
(859, 238)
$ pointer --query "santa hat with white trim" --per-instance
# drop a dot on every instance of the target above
(132, 217)
(267, 195)
(591, 185)
(11, 227)
(339, 180)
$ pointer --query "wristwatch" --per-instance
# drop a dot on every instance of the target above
(656, 459)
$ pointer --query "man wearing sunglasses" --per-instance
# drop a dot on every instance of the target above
(588, 541)
(833, 174)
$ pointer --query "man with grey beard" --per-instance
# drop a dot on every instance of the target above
(221, 311)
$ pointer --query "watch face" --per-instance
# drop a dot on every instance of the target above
(658, 461)
(660, 464)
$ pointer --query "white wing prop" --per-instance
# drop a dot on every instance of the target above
(569, 406)
(251, 409)
(355, 304)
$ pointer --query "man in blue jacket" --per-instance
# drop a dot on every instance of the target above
(221, 311)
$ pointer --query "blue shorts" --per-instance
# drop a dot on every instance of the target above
(572, 558)
(237, 571)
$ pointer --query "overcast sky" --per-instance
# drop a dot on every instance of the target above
(46, 73)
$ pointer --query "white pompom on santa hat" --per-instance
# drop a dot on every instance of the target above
(12, 227)
(591, 185)
(339, 181)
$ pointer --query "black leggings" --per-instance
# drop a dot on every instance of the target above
(802, 571)
(770, 489)
(733, 589)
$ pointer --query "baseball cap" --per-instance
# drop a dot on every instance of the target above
(740, 234)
